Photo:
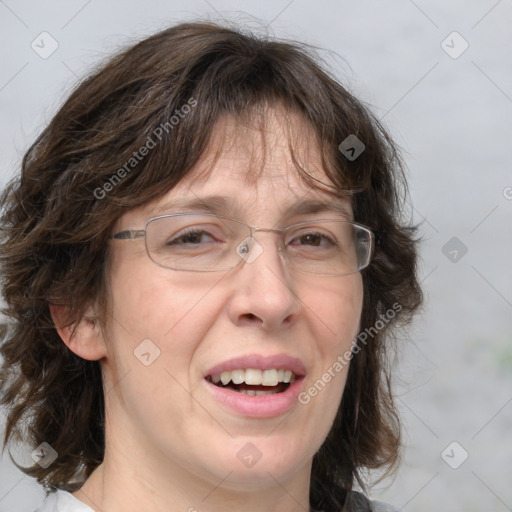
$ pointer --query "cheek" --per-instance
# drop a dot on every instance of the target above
(152, 337)
(337, 305)
(169, 310)
(148, 300)
(335, 310)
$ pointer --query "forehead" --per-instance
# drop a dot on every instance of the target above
(269, 144)
(256, 165)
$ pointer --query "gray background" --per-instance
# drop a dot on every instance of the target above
(453, 118)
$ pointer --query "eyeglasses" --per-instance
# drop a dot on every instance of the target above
(211, 243)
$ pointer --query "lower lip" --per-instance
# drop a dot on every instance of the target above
(266, 406)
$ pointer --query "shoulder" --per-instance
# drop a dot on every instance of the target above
(380, 506)
(63, 501)
(358, 502)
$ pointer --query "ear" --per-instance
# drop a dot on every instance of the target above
(84, 338)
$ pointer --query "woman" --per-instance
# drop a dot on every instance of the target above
(203, 264)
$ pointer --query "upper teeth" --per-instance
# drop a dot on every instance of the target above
(254, 377)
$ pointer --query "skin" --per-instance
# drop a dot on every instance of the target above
(169, 446)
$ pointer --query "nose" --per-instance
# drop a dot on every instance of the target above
(264, 291)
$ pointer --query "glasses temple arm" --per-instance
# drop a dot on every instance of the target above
(129, 234)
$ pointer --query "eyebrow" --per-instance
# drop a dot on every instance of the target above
(222, 205)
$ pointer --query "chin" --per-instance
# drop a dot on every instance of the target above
(256, 478)
(256, 463)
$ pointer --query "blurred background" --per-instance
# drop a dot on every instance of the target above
(438, 74)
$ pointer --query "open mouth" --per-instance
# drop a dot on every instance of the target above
(254, 382)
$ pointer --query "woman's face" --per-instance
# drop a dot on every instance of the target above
(170, 331)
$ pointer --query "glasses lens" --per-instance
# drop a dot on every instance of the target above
(329, 247)
(202, 243)
(209, 243)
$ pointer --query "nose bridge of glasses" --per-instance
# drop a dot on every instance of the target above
(255, 229)
(249, 249)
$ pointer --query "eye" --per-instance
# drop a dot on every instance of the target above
(314, 239)
(193, 236)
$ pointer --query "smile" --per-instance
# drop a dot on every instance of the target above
(254, 382)
(257, 386)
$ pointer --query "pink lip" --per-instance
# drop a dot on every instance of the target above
(266, 406)
(259, 362)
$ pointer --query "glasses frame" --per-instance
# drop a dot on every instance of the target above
(133, 234)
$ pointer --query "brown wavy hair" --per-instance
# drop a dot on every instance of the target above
(55, 227)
